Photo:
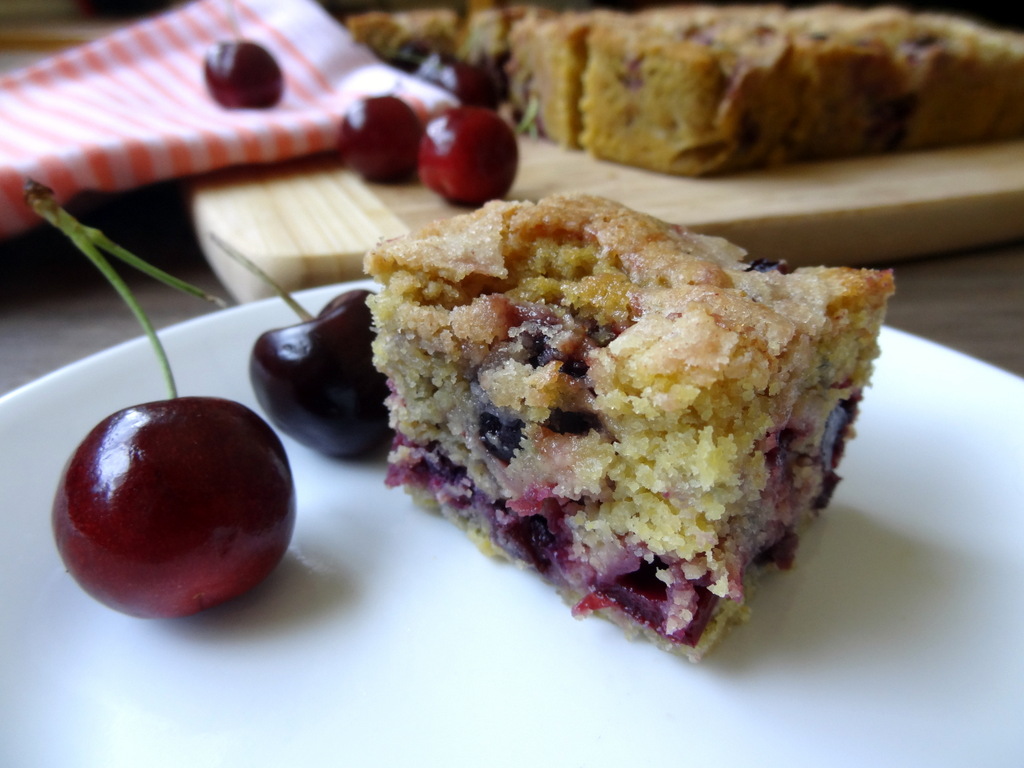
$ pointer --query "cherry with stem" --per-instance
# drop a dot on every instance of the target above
(173, 506)
(92, 242)
(315, 380)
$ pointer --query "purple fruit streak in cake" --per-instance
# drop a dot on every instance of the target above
(530, 540)
(887, 122)
(833, 442)
(781, 553)
(643, 597)
(532, 529)
(575, 369)
(430, 470)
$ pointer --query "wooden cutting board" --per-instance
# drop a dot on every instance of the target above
(309, 222)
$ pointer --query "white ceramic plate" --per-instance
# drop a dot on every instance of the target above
(386, 639)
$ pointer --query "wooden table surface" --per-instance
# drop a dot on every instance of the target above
(55, 308)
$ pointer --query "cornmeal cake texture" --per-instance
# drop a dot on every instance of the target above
(631, 410)
(701, 89)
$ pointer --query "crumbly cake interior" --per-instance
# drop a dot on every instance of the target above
(631, 410)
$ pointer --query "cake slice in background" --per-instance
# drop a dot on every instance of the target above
(633, 411)
(697, 89)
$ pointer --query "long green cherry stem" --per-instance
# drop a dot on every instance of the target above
(92, 243)
(255, 268)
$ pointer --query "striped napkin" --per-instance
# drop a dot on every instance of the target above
(132, 107)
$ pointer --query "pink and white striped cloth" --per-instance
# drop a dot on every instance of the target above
(132, 107)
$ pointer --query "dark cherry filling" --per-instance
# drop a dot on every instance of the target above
(545, 337)
(832, 444)
(542, 540)
(642, 596)
(706, 602)
(501, 437)
(833, 441)
(530, 539)
(888, 122)
(781, 456)
(433, 472)
(539, 337)
(778, 457)
(540, 352)
(571, 422)
(766, 265)
(577, 369)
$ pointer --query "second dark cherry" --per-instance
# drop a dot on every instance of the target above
(171, 507)
(316, 381)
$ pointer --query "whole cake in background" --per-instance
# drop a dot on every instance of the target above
(635, 412)
(702, 89)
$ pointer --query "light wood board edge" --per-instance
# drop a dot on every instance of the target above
(309, 222)
(305, 223)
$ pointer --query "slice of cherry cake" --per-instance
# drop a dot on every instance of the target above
(630, 409)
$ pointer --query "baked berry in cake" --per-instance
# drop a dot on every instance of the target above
(639, 414)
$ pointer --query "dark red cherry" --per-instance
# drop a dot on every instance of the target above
(471, 85)
(380, 137)
(316, 381)
(469, 155)
(172, 507)
(242, 74)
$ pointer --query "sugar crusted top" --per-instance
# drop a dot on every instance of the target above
(575, 250)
